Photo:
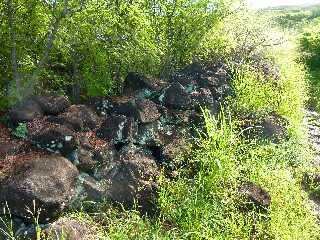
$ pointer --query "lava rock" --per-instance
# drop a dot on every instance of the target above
(57, 139)
(186, 81)
(143, 110)
(147, 111)
(106, 154)
(90, 189)
(84, 160)
(176, 97)
(78, 118)
(117, 129)
(254, 194)
(11, 148)
(194, 69)
(204, 99)
(132, 177)
(135, 82)
(176, 146)
(274, 128)
(271, 128)
(154, 134)
(53, 104)
(26, 111)
(45, 185)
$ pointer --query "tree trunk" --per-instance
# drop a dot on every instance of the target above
(12, 33)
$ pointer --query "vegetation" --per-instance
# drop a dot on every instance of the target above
(86, 48)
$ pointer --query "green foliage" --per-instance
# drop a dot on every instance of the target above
(88, 47)
(294, 18)
(310, 55)
(310, 45)
(21, 131)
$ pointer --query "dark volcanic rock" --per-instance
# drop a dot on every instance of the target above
(175, 147)
(53, 104)
(255, 194)
(147, 111)
(11, 148)
(46, 183)
(187, 81)
(176, 97)
(90, 189)
(58, 139)
(84, 160)
(135, 82)
(78, 118)
(143, 110)
(132, 178)
(155, 134)
(274, 127)
(194, 69)
(203, 98)
(106, 155)
(117, 128)
(25, 112)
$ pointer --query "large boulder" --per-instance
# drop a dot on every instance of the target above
(43, 185)
(53, 104)
(26, 111)
(55, 138)
(132, 178)
(117, 129)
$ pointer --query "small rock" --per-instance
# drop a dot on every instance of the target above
(204, 99)
(90, 189)
(147, 111)
(143, 110)
(255, 194)
(272, 128)
(11, 148)
(186, 81)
